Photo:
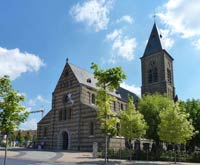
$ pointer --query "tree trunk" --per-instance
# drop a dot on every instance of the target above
(174, 153)
(6, 148)
(130, 154)
(157, 149)
(106, 149)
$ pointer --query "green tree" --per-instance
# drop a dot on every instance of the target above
(12, 113)
(34, 140)
(192, 107)
(150, 106)
(132, 123)
(34, 137)
(11, 138)
(20, 137)
(174, 127)
(107, 81)
(27, 137)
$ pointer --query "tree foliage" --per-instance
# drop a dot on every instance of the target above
(27, 137)
(108, 119)
(132, 123)
(20, 137)
(12, 113)
(150, 106)
(192, 107)
(107, 81)
(175, 127)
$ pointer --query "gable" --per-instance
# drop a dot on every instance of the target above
(66, 80)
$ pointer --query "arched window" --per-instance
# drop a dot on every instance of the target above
(89, 97)
(150, 76)
(122, 107)
(45, 132)
(118, 128)
(60, 115)
(69, 114)
(169, 76)
(114, 105)
(93, 98)
(155, 74)
(65, 114)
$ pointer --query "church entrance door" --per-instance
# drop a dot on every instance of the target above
(65, 140)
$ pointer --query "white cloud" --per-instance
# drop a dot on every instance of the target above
(13, 62)
(181, 16)
(40, 99)
(115, 34)
(122, 46)
(196, 43)
(132, 88)
(125, 18)
(95, 13)
(29, 124)
(167, 41)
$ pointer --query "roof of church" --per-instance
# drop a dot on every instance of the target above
(88, 79)
(154, 43)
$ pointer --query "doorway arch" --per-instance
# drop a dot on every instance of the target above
(65, 140)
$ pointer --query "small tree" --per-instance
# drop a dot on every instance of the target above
(132, 123)
(174, 127)
(34, 139)
(107, 81)
(27, 137)
(12, 113)
(20, 138)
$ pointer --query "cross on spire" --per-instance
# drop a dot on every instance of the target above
(154, 17)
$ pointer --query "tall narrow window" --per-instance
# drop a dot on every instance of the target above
(65, 114)
(91, 128)
(45, 132)
(155, 74)
(60, 115)
(114, 105)
(169, 76)
(122, 107)
(93, 99)
(150, 76)
(69, 113)
(119, 106)
(89, 98)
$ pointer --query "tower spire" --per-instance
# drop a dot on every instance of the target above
(154, 43)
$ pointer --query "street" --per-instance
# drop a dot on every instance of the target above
(31, 162)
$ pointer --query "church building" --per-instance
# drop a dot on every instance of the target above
(71, 123)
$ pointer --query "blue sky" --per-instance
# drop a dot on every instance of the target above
(37, 36)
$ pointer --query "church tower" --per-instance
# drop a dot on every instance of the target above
(157, 67)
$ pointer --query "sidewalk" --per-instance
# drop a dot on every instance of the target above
(86, 158)
(75, 157)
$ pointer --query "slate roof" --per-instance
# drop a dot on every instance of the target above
(88, 79)
(154, 43)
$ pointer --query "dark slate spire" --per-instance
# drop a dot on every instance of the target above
(154, 43)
